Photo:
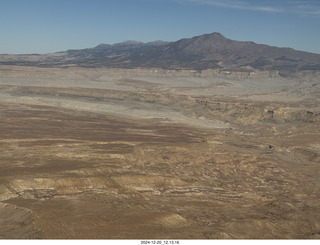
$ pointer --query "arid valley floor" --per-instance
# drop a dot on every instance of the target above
(103, 153)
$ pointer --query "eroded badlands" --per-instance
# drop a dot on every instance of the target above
(154, 154)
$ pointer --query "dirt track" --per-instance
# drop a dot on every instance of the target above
(70, 168)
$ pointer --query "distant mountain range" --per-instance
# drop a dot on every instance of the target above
(209, 51)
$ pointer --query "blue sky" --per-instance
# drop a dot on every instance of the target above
(43, 26)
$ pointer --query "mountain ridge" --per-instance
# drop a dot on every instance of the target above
(208, 51)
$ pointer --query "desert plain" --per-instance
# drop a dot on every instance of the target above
(111, 153)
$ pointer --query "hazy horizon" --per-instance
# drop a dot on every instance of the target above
(45, 26)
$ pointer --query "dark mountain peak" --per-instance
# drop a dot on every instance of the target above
(210, 36)
(157, 43)
(214, 36)
(103, 46)
(204, 44)
(129, 43)
(122, 44)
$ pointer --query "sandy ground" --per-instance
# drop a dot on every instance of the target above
(145, 154)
